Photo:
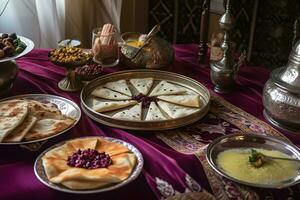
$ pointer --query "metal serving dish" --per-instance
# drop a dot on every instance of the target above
(252, 141)
(86, 100)
(41, 175)
(66, 106)
(157, 54)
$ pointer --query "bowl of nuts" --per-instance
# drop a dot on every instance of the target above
(70, 58)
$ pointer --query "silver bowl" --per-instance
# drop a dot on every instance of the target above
(267, 142)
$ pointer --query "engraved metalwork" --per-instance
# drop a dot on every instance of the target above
(41, 175)
(281, 95)
(157, 53)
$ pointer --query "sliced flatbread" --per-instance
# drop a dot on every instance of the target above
(19, 133)
(165, 88)
(142, 85)
(47, 127)
(154, 113)
(185, 100)
(109, 94)
(133, 113)
(104, 106)
(176, 111)
(12, 114)
(119, 86)
(36, 107)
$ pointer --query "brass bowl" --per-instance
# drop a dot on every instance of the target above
(157, 54)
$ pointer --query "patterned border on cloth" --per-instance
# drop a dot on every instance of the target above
(224, 118)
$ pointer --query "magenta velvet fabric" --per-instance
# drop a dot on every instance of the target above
(38, 75)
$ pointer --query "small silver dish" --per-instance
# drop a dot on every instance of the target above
(252, 141)
(41, 175)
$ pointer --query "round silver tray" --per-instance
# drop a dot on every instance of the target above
(67, 107)
(252, 141)
(41, 175)
(29, 44)
(157, 75)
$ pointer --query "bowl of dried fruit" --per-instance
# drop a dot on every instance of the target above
(88, 72)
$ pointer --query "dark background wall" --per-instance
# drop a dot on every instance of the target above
(272, 34)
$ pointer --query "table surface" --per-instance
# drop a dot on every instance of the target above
(166, 170)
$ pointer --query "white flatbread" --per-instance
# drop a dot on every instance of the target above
(142, 85)
(19, 133)
(12, 114)
(46, 127)
(133, 113)
(165, 88)
(109, 94)
(119, 86)
(176, 111)
(154, 113)
(104, 106)
(185, 100)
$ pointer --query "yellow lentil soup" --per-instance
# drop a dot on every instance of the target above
(235, 163)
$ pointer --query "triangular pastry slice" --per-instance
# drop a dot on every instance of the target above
(119, 86)
(104, 106)
(154, 113)
(165, 88)
(46, 127)
(109, 94)
(176, 111)
(12, 114)
(19, 133)
(142, 85)
(185, 99)
(133, 113)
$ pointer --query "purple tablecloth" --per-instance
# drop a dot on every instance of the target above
(163, 165)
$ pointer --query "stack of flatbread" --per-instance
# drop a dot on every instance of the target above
(172, 100)
(57, 170)
(24, 119)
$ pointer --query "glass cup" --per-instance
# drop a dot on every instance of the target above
(105, 47)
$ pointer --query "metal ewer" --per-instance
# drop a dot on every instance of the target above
(224, 72)
(281, 95)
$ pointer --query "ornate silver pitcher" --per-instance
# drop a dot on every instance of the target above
(281, 95)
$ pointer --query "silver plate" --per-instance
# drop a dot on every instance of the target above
(252, 141)
(67, 107)
(157, 75)
(41, 175)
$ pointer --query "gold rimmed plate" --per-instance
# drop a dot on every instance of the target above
(41, 175)
(157, 75)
